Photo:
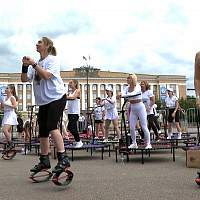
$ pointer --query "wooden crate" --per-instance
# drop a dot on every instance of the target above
(193, 158)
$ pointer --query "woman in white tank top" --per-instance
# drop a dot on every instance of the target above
(10, 117)
(73, 110)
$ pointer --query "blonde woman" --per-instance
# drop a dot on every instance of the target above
(136, 110)
(50, 95)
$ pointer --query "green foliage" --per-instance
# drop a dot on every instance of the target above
(189, 102)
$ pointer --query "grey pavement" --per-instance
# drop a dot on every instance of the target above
(94, 179)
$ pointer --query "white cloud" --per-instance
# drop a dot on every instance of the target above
(156, 37)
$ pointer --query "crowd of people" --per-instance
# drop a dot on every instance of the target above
(52, 98)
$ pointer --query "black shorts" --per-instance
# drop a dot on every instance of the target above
(98, 121)
(49, 116)
(177, 115)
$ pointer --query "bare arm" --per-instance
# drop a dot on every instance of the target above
(75, 95)
(43, 73)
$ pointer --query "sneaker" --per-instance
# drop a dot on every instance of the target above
(159, 132)
(133, 146)
(79, 144)
(169, 136)
(179, 136)
(148, 146)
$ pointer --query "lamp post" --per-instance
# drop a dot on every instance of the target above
(87, 68)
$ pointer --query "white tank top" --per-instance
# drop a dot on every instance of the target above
(73, 106)
(8, 104)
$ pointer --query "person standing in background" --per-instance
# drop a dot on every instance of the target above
(172, 106)
(73, 110)
(10, 117)
(99, 114)
(111, 114)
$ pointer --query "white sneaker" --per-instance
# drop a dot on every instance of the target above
(133, 146)
(169, 136)
(159, 132)
(148, 146)
(179, 135)
(23, 151)
(79, 144)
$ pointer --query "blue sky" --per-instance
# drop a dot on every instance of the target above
(151, 37)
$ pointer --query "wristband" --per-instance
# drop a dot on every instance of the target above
(34, 65)
(24, 69)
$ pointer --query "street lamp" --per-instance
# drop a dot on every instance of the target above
(86, 69)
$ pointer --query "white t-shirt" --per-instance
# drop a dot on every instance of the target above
(146, 100)
(171, 101)
(109, 103)
(98, 112)
(134, 95)
(46, 91)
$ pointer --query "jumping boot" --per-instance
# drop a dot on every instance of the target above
(9, 146)
(43, 164)
(63, 163)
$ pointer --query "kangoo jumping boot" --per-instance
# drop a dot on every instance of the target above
(63, 163)
(44, 164)
(9, 146)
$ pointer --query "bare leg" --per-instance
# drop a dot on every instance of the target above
(7, 132)
(102, 129)
(169, 130)
(107, 125)
(58, 140)
(44, 146)
(116, 126)
(97, 129)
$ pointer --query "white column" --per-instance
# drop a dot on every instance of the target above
(83, 96)
(114, 90)
(122, 99)
(24, 97)
(177, 91)
(91, 95)
(33, 97)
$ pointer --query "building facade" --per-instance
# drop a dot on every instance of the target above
(93, 82)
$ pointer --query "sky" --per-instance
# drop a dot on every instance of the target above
(140, 36)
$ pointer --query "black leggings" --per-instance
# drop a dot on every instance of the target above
(72, 126)
(151, 124)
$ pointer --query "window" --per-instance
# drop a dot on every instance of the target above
(102, 91)
(94, 93)
(20, 87)
(173, 86)
(28, 87)
(28, 96)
